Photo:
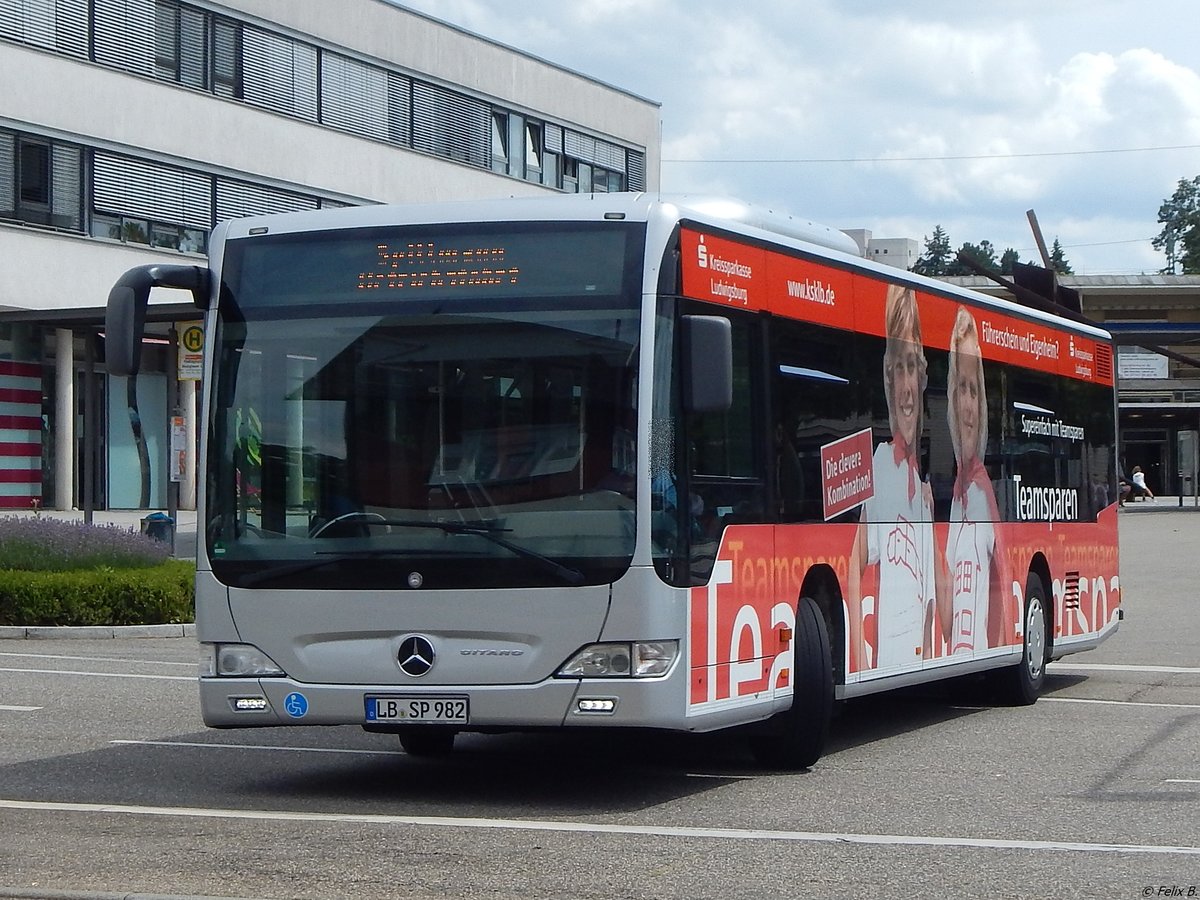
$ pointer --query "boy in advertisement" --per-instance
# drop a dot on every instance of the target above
(982, 602)
(895, 533)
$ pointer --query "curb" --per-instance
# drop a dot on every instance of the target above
(94, 632)
(12, 893)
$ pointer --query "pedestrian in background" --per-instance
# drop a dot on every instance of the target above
(1140, 488)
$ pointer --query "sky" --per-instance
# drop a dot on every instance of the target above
(898, 117)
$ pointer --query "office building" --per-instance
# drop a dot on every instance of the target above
(129, 128)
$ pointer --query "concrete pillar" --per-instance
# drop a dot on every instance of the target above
(187, 406)
(64, 419)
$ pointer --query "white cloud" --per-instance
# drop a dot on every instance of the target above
(869, 80)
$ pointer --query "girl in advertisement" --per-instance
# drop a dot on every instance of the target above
(895, 533)
(982, 609)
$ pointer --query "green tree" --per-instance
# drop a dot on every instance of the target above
(937, 256)
(1058, 260)
(1180, 238)
(1007, 259)
(982, 253)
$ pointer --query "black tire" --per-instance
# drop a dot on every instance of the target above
(429, 742)
(796, 738)
(1020, 685)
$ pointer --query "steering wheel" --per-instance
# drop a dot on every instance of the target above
(353, 515)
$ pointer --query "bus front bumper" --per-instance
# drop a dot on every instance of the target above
(553, 703)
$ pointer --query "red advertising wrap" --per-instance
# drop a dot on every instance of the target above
(919, 590)
(723, 271)
(740, 652)
(846, 475)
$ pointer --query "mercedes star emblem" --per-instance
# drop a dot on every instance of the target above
(416, 655)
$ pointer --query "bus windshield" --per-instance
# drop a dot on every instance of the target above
(376, 434)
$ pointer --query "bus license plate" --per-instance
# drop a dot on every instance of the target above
(440, 710)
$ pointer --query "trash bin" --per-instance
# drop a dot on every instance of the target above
(160, 527)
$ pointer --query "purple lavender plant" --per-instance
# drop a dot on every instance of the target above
(54, 545)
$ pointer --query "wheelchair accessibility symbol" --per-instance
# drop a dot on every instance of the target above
(296, 705)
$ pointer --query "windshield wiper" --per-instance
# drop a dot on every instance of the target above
(489, 533)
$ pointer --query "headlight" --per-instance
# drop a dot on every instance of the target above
(639, 659)
(236, 661)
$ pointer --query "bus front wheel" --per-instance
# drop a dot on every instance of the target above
(796, 738)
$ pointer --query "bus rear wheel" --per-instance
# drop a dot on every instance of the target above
(797, 737)
(1021, 684)
(429, 742)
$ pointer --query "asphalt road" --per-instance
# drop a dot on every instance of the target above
(111, 787)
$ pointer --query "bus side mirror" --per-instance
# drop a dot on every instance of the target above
(707, 364)
(125, 316)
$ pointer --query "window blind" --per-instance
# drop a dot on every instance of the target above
(354, 96)
(236, 199)
(66, 184)
(279, 73)
(125, 186)
(54, 24)
(8, 174)
(399, 101)
(453, 125)
(124, 34)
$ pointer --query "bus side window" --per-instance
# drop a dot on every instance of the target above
(816, 402)
(1030, 454)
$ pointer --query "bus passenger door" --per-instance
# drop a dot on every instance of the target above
(736, 638)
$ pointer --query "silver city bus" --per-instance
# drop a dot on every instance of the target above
(624, 461)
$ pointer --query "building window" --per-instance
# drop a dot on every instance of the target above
(52, 24)
(130, 200)
(227, 59)
(105, 226)
(453, 125)
(354, 97)
(124, 34)
(181, 44)
(143, 202)
(135, 231)
(399, 109)
(533, 151)
(516, 145)
(40, 181)
(500, 142)
(195, 47)
(279, 73)
(34, 175)
(166, 40)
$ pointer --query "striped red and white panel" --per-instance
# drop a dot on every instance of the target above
(20, 434)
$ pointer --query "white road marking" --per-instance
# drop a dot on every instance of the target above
(1119, 702)
(1118, 667)
(207, 745)
(1182, 781)
(191, 678)
(722, 834)
(119, 659)
(213, 745)
(20, 708)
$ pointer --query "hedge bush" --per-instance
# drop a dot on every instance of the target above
(54, 572)
(155, 595)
